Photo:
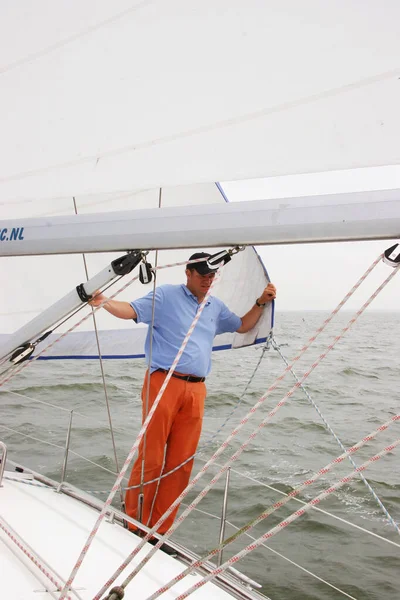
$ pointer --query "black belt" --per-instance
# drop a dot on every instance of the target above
(191, 378)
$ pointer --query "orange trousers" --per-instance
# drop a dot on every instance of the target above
(171, 437)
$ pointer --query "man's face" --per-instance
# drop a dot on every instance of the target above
(198, 284)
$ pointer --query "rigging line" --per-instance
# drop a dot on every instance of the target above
(72, 38)
(43, 402)
(102, 372)
(213, 436)
(203, 129)
(153, 308)
(307, 571)
(226, 443)
(278, 553)
(36, 559)
(76, 413)
(137, 442)
(84, 305)
(34, 358)
(266, 347)
(237, 454)
(318, 509)
(271, 509)
(339, 442)
(257, 366)
(35, 439)
(234, 559)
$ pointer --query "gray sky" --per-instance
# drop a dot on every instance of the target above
(317, 276)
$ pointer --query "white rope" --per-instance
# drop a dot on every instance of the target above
(292, 562)
(277, 505)
(317, 508)
(339, 442)
(234, 559)
(223, 446)
(138, 440)
(34, 557)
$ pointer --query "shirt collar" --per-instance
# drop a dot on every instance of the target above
(189, 293)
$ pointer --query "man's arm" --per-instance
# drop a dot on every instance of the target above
(118, 308)
(251, 317)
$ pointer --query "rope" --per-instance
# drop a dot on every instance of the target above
(276, 506)
(138, 440)
(234, 457)
(25, 481)
(146, 408)
(342, 447)
(56, 406)
(234, 559)
(266, 347)
(324, 512)
(102, 372)
(214, 435)
(31, 437)
(34, 358)
(27, 550)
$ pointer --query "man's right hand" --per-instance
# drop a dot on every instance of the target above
(118, 308)
(97, 298)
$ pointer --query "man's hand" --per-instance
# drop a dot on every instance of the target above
(118, 308)
(268, 294)
(97, 298)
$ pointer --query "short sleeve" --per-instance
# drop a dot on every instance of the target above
(228, 322)
(144, 306)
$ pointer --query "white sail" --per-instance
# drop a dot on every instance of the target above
(127, 96)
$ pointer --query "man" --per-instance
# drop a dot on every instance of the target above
(173, 432)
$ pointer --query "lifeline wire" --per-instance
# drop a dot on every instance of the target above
(342, 447)
(234, 432)
(267, 512)
(298, 513)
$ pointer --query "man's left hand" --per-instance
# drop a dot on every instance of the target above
(268, 294)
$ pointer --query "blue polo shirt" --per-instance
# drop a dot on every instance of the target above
(175, 309)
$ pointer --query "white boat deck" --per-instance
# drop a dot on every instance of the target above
(56, 527)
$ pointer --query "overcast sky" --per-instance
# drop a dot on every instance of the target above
(317, 276)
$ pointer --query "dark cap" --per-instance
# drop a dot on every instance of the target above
(201, 267)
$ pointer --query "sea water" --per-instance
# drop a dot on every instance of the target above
(355, 388)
